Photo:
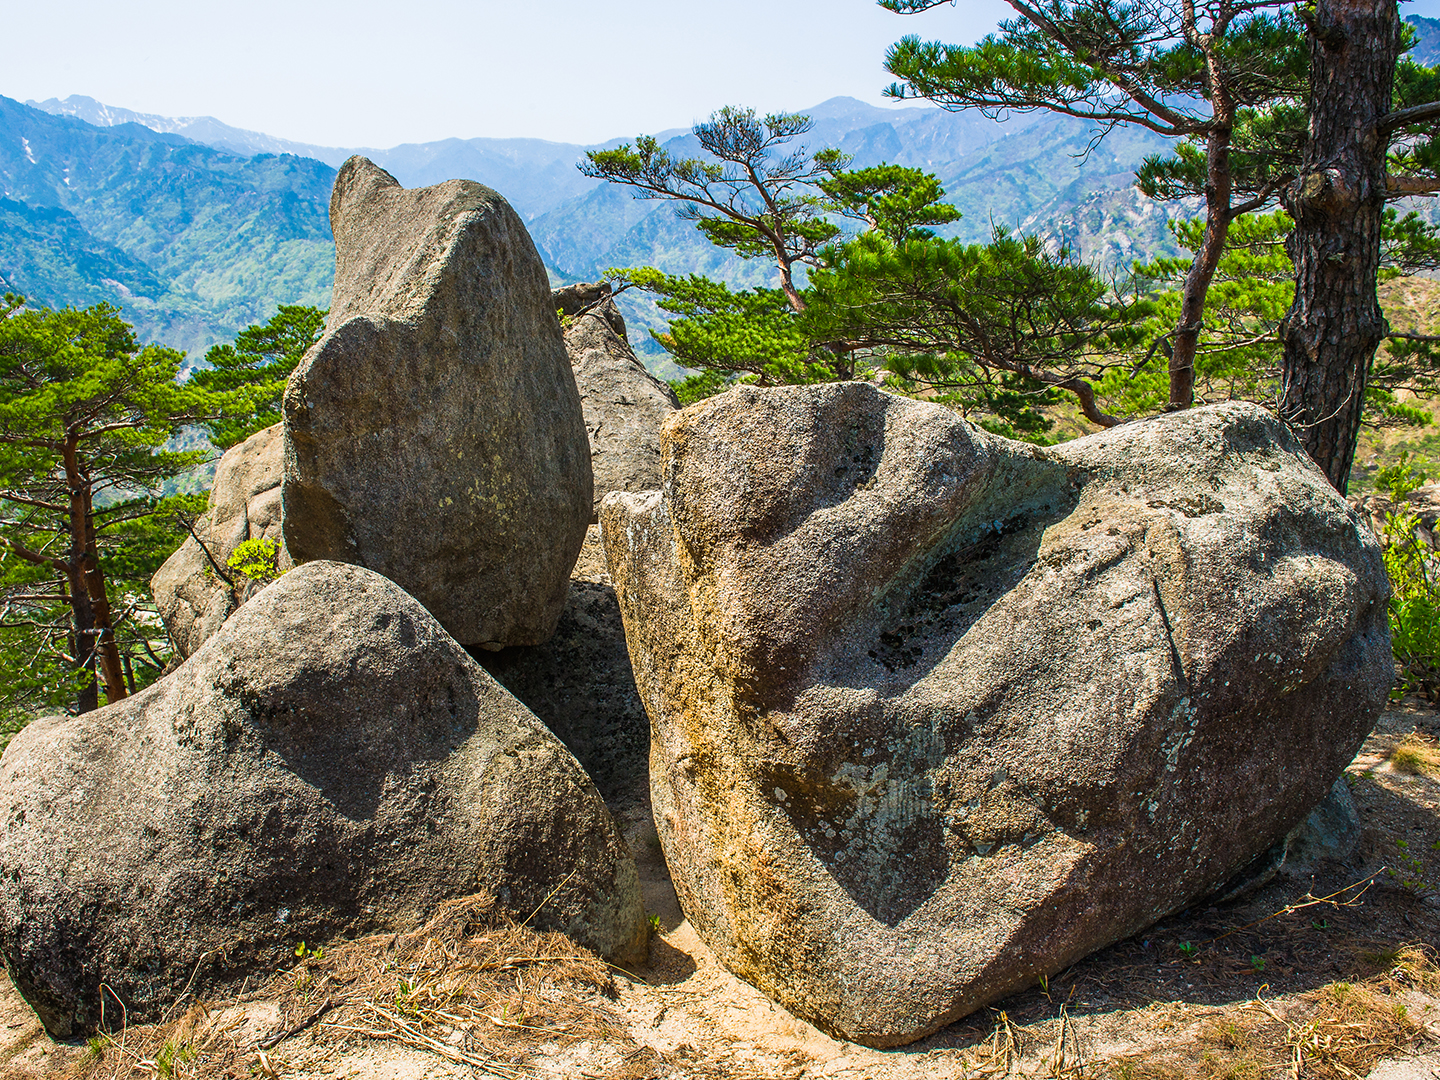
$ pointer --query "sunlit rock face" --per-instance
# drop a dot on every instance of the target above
(434, 434)
(935, 712)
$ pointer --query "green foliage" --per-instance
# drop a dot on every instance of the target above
(257, 559)
(886, 296)
(86, 414)
(1239, 351)
(998, 328)
(1415, 594)
(1149, 65)
(898, 203)
(171, 1056)
(254, 370)
(731, 332)
(744, 195)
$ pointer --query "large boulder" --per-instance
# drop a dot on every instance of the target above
(936, 713)
(434, 434)
(330, 762)
(191, 589)
(624, 405)
(579, 683)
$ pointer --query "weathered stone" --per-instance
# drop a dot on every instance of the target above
(586, 297)
(330, 762)
(580, 682)
(192, 596)
(624, 404)
(434, 434)
(1330, 831)
(935, 713)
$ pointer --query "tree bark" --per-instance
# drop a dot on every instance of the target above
(1218, 215)
(1335, 324)
(95, 638)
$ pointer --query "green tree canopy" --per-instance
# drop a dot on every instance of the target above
(1204, 71)
(839, 319)
(254, 369)
(85, 415)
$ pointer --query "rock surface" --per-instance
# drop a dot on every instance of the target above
(580, 684)
(936, 713)
(192, 597)
(434, 434)
(329, 762)
(624, 404)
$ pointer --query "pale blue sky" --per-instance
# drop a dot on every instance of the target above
(366, 73)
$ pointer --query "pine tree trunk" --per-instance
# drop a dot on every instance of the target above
(82, 643)
(1219, 185)
(1338, 201)
(90, 608)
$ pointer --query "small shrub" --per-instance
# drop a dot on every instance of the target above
(1414, 599)
(258, 560)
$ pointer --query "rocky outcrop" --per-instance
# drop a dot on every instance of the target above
(434, 434)
(624, 405)
(191, 591)
(935, 713)
(579, 683)
(329, 762)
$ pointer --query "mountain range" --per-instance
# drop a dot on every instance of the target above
(195, 228)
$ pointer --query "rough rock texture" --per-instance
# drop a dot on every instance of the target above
(1330, 831)
(624, 404)
(192, 597)
(935, 712)
(580, 682)
(587, 296)
(329, 762)
(434, 434)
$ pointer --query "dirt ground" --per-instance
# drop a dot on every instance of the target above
(1330, 974)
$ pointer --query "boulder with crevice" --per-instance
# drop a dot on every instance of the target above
(580, 684)
(624, 405)
(330, 762)
(936, 713)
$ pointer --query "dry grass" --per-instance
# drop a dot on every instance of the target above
(1416, 755)
(1337, 1032)
(470, 987)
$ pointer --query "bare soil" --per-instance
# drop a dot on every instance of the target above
(1329, 974)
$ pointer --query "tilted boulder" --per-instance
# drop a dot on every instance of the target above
(191, 591)
(434, 434)
(936, 713)
(624, 405)
(579, 683)
(330, 762)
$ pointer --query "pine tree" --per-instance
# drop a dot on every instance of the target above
(85, 414)
(1370, 139)
(1219, 74)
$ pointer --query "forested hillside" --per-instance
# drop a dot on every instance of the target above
(170, 220)
(190, 242)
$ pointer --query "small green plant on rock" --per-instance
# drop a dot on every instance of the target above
(258, 560)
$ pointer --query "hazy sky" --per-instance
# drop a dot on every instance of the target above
(364, 73)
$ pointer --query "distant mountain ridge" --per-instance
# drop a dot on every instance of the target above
(1427, 47)
(196, 228)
